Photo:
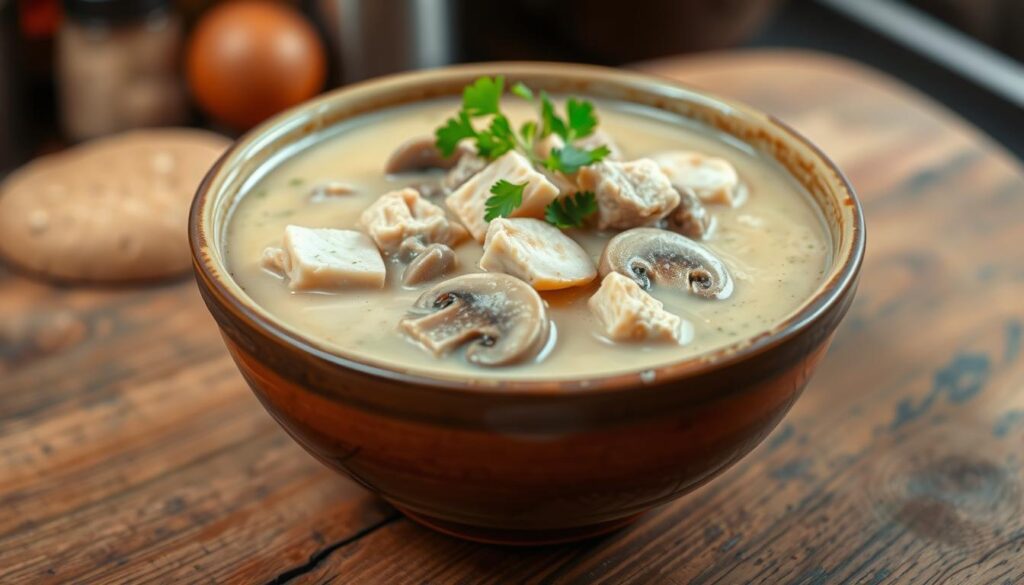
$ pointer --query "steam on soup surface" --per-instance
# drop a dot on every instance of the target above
(766, 236)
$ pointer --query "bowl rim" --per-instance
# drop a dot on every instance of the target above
(839, 280)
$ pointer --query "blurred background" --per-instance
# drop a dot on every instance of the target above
(71, 70)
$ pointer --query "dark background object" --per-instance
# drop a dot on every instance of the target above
(372, 38)
(997, 23)
(12, 145)
(605, 31)
(367, 38)
(807, 24)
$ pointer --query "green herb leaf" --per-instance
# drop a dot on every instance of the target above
(528, 131)
(571, 211)
(482, 97)
(497, 139)
(522, 91)
(506, 197)
(569, 159)
(447, 137)
(551, 123)
(581, 118)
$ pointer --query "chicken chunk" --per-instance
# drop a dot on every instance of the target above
(326, 259)
(629, 194)
(469, 200)
(628, 313)
(399, 215)
(713, 180)
(601, 138)
(537, 252)
(598, 138)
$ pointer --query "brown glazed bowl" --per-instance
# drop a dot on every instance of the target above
(525, 462)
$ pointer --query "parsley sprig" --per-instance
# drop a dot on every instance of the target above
(481, 103)
(481, 99)
(481, 120)
(572, 211)
(505, 198)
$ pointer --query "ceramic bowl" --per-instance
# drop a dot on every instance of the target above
(525, 462)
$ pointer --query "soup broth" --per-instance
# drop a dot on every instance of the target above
(774, 244)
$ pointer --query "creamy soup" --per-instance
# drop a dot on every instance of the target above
(771, 240)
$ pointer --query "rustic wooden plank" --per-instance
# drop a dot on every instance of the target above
(130, 449)
(902, 462)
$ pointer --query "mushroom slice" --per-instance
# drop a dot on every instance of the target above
(712, 179)
(500, 318)
(649, 255)
(421, 154)
(536, 252)
(469, 164)
(690, 217)
(430, 263)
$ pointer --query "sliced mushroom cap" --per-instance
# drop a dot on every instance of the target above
(690, 217)
(649, 256)
(469, 164)
(420, 154)
(410, 248)
(430, 263)
(500, 318)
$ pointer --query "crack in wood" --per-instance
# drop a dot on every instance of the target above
(318, 557)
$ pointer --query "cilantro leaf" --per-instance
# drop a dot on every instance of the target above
(447, 137)
(497, 139)
(522, 91)
(581, 118)
(551, 123)
(506, 197)
(482, 97)
(528, 130)
(569, 158)
(571, 211)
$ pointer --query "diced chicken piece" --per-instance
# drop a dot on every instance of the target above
(399, 215)
(601, 138)
(712, 179)
(326, 259)
(628, 313)
(543, 147)
(537, 252)
(469, 164)
(629, 194)
(469, 200)
(565, 185)
(598, 138)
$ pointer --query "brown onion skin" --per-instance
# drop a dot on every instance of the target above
(248, 60)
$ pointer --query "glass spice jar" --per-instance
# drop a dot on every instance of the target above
(118, 66)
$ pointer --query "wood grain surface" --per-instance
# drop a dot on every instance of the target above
(132, 451)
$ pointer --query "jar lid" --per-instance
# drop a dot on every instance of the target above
(112, 11)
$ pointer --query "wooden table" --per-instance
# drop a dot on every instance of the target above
(131, 449)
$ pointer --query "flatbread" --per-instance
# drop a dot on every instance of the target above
(112, 209)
